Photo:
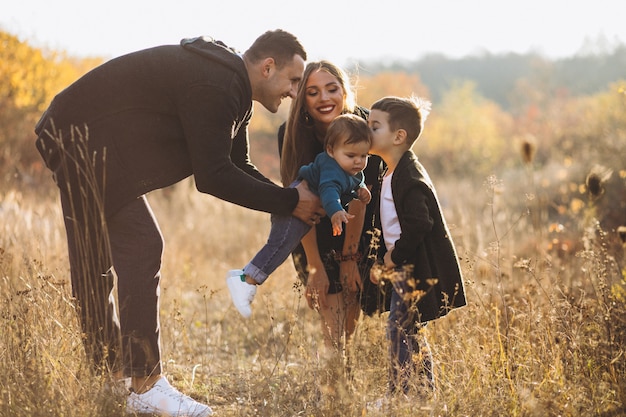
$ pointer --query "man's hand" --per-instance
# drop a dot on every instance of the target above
(309, 208)
(338, 219)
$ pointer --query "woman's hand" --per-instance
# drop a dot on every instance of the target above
(316, 288)
(350, 276)
(317, 283)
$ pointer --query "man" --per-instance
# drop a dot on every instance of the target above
(141, 122)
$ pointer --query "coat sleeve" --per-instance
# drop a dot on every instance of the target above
(211, 124)
(240, 154)
(415, 221)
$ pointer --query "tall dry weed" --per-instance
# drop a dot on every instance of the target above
(543, 334)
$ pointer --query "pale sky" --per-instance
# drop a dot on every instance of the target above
(338, 30)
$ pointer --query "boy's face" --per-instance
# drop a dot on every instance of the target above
(382, 135)
(351, 157)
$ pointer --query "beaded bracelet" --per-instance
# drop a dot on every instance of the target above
(343, 258)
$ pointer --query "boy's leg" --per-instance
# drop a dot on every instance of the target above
(403, 344)
(398, 346)
(426, 371)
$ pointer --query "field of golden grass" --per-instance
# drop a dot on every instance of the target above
(543, 334)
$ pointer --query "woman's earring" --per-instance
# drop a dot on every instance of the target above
(306, 117)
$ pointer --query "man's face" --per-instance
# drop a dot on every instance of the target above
(281, 83)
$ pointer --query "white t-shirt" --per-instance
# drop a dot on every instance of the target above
(388, 215)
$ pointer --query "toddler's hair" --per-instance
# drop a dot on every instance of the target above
(347, 128)
(408, 113)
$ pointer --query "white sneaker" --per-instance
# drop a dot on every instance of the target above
(165, 400)
(241, 292)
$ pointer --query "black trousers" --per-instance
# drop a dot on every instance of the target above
(127, 246)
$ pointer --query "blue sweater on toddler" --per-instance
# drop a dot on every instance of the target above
(330, 182)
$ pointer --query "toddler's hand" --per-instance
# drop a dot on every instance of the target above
(364, 195)
(338, 219)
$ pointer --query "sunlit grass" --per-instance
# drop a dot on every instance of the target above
(542, 335)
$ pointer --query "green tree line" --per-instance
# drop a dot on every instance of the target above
(498, 76)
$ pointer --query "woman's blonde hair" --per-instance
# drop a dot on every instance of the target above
(299, 143)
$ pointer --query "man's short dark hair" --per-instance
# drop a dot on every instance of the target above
(277, 44)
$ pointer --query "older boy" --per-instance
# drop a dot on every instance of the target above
(420, 259)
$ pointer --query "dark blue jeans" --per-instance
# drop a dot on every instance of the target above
(411, 361)
(128, 245)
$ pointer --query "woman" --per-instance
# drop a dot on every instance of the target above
(331, 267)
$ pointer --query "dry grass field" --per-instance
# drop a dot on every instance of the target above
(543, 334)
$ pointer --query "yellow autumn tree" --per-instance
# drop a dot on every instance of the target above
(29, 79)
(388, 83)
(466, 133)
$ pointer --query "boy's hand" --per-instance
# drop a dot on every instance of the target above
(364, 195)
(380, 271)
(338, 219)
(387, 259)
(376, 273)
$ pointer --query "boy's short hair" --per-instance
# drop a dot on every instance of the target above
(278, 44)
(349, 126)
(405, 113)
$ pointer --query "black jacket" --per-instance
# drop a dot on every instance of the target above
(149, 119)
(425, 243)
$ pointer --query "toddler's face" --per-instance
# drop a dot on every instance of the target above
(351, 157)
